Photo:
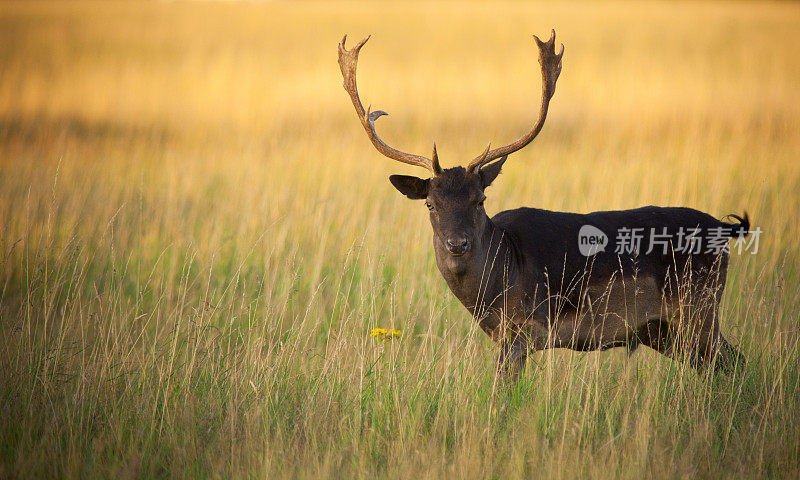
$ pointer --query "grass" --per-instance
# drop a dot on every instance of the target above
(197, 238)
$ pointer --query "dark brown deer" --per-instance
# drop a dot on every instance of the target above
(531, 285)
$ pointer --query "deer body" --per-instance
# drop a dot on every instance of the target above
(530, 289)
(521, 273)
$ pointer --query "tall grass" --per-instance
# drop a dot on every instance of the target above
(197, 238)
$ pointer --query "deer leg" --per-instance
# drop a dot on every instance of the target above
(698, 347)
(695, 334)
(657, 334)
(710, 347)
(513, 354)
(680, 339)
(702, 339)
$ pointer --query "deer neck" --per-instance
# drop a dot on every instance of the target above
(477, 278)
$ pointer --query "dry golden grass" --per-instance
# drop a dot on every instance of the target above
(197, 238)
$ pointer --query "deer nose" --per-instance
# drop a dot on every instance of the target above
(458, 246)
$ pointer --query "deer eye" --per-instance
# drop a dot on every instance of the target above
(480, 204)
(428, 204)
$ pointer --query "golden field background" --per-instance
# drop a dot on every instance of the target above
(197, 237)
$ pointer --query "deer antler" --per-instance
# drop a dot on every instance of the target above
(348, 61)
(551, 68)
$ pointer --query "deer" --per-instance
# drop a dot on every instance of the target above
(522, 276)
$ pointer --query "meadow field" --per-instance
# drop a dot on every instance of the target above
(196, 237)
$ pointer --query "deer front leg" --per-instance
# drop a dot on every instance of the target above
(513, 354)
(531, 334)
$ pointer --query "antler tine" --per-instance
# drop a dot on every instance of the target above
(551, 69)
(480, 159)
(348, 61)
(435, 161)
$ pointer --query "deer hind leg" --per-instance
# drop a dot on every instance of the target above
(687, 335)
(667, 337)
(662, 335)
(697, 335)
(683, 332)
(710, 347)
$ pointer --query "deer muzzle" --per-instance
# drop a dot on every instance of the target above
(458, 245)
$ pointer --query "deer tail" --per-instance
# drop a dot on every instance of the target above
(742, 226)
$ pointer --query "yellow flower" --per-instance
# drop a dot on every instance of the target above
(378, 332)
(385, 333)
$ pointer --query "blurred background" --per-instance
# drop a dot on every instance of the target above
(192, 219)
(671, 104)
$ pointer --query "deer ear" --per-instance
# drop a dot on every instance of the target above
(489, 172)
(412, 187)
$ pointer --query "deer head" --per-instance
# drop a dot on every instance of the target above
(454, 196)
